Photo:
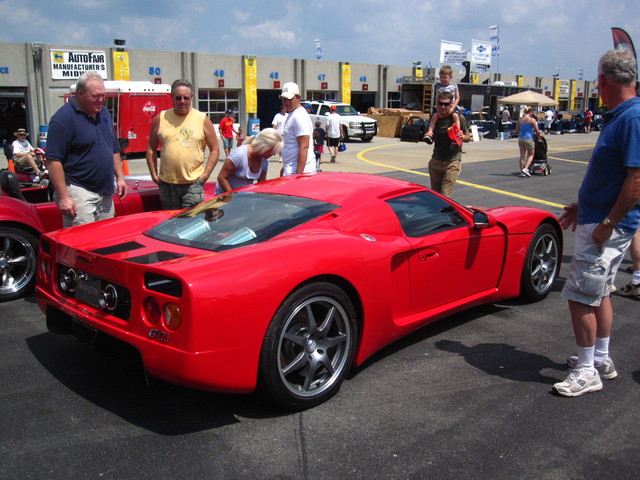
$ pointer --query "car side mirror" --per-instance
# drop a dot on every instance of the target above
(483, 220)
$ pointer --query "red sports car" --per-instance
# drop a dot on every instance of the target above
(283, 285)
(28, 212)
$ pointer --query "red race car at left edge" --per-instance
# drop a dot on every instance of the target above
(282, 286)
(27, 212)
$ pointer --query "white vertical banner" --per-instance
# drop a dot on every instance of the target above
(446, 46)
(480, 52)
(494, 38)
(318, 44)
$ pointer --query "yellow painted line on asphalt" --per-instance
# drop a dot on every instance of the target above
(567, 160)
(572, 147)
(361, 157)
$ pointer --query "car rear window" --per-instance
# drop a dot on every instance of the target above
(238, 219)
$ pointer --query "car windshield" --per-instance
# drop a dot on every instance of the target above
(346, 110)
(238, 219)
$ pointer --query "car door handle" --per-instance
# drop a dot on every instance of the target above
(427, 255)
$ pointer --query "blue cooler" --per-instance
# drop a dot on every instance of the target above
(42, 136)
(254, 126)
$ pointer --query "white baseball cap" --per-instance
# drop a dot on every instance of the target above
(290, 90)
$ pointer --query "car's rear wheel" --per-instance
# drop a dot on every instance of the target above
(18, 250)
(541, 265)
(308, 347)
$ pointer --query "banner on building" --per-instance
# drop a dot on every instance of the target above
(480, 68)
(251, 84)
(455, 56)
(121, 69)
(447, 46)
(480, 52)
(346, 83)
(69, 64)
(494, 38)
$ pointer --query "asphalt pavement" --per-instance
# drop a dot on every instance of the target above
(468, 397)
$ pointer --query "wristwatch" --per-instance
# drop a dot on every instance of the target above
(606, 222)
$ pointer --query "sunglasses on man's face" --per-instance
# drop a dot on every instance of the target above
(444, 104)
(184, 97)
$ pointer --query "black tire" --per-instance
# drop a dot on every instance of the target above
(368, 139)
(541, 264)
(18, 252)
(308, 347)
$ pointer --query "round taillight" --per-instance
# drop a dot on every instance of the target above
(172, 316)
(152, 310)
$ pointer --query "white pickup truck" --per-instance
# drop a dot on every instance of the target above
(355, 125)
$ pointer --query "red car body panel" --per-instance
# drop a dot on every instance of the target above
(396, 283)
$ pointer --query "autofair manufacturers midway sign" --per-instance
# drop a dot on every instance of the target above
(67, 64)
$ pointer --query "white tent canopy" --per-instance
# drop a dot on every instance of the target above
(528, 97)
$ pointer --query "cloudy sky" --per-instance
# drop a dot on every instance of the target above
(536, 36)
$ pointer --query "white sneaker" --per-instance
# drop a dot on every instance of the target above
(578, 382)
(526, 172)
(630, 290)
(605, 369)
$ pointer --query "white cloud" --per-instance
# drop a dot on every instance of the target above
(241, 15)
(536, 36)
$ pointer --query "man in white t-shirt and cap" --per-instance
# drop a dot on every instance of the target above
(334, 132)
(297, 154)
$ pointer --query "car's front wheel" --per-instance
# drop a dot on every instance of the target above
(541, 265)
(18, 250)
(309, 347)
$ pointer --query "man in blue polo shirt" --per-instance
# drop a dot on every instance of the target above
(83, 155)
(605, 219)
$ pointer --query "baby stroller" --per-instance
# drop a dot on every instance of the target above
(540, 163)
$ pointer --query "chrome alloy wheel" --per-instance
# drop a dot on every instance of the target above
(314, 346)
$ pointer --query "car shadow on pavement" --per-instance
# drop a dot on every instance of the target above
(498, 359)
(117, 383)
(505, 361)
(428, 331)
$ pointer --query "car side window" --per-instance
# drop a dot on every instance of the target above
(424, 213)
(324, 110)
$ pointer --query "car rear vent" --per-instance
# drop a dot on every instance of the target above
(162, 284)
(155, 257)
(121, 247)
(45, 246)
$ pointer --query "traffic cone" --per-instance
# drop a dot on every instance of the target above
(125, 166)
(11, 166)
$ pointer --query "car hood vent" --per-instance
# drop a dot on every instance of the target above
(119, 248)
(155, 257)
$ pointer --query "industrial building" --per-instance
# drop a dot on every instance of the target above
(35, 77)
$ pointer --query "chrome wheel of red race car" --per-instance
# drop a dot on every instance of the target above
(18, 249)
(541, 264)
(308, 347)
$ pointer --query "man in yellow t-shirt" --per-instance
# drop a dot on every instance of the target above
(183, 133)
